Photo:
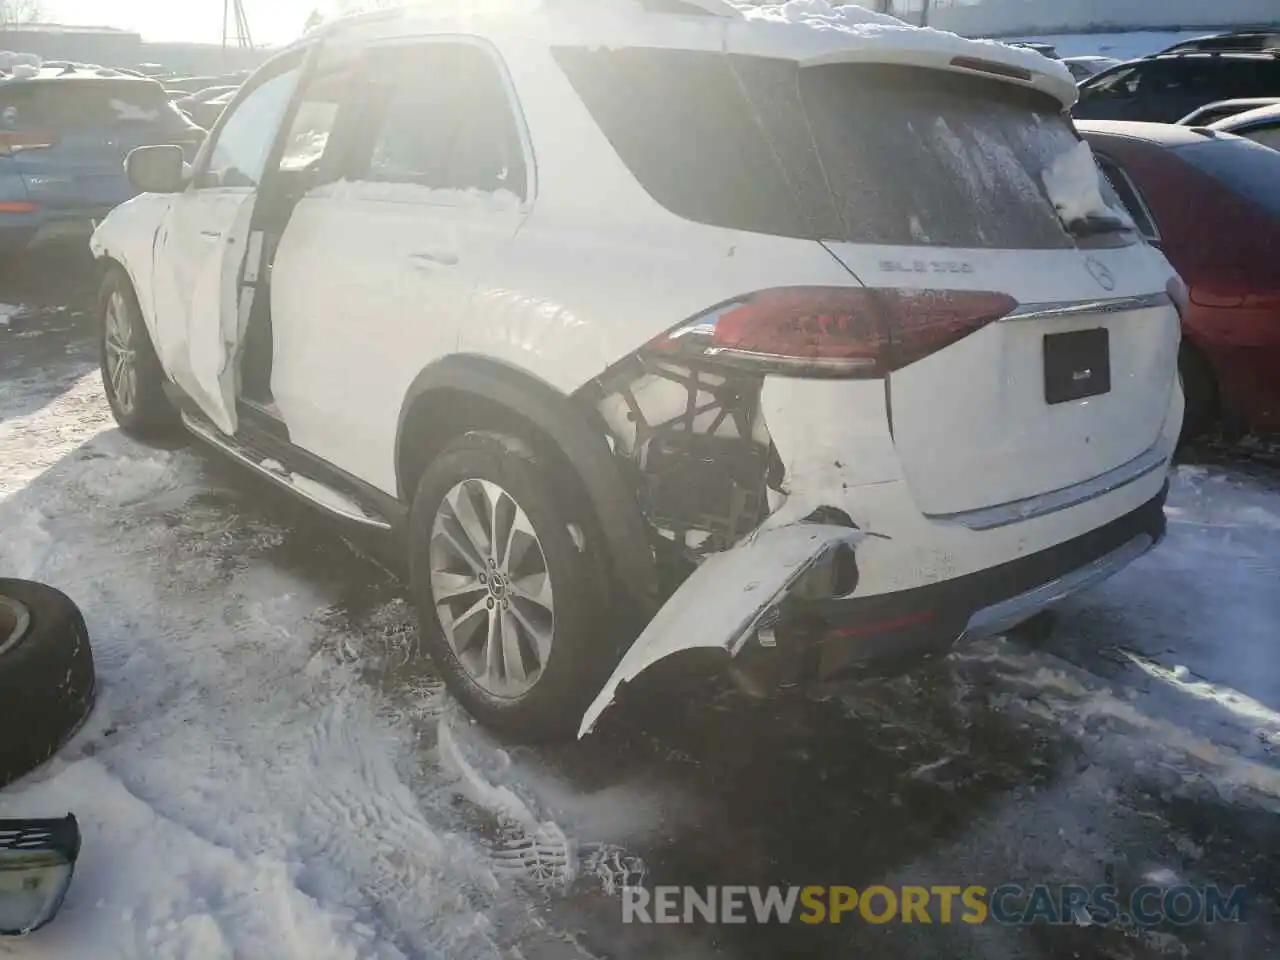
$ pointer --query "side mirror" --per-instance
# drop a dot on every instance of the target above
(158, 169)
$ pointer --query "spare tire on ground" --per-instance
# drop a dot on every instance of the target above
(46, 675)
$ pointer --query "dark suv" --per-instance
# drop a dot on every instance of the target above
(1241, 41)
(1165, 88)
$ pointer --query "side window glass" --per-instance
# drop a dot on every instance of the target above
(1251, 79)
(1267, 136)
(314, 122)
(245, 140)
(1128, 195)
(1122, 83)
(446, 122)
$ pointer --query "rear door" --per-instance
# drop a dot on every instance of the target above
(940, 182)
(375, 275)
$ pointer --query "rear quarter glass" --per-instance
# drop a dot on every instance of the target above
(847, 152)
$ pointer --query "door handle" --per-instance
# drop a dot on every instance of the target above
(211, 234)
(427, 258)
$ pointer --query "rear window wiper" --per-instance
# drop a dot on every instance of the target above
(1096, 226)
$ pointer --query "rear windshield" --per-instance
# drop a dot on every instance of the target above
(81, 103)
(856, 152)
(1247, 169)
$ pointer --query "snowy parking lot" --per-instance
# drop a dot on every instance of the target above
(273, 771)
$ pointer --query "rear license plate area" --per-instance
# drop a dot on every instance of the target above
(1077, 365)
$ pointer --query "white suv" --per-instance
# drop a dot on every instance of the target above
(662, 326)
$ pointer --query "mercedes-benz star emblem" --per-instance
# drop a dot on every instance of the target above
(1099, 271)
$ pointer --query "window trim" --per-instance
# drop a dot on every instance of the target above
(1154, 236)
(401, 43)
(295, 58)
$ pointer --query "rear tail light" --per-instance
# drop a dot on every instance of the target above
(18, 206)
(854, 332)
(12, 142)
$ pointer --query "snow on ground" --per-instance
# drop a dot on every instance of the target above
(243, 792)
(270, 773)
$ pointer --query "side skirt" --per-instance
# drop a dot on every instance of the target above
(262, 445)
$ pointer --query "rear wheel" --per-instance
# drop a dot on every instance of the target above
(131, 373)
(1201, 393)
(508, 587)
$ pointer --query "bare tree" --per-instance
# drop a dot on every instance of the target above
(20, 11)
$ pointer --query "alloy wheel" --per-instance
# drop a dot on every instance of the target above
(491, 588)
(121, 354)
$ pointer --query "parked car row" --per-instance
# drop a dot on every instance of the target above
(1167, 87)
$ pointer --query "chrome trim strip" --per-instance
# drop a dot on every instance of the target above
(1016, 511)
(1080, 308)
(215, 439)
(1009, 613)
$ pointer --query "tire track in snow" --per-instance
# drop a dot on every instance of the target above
(224, 711)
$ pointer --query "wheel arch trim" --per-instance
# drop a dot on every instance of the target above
(569, 426)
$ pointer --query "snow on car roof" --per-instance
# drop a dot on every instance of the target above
(810, 31)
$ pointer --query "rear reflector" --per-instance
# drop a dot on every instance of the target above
(18, 206)
(992, 67)
(12, 142)
(856, 332)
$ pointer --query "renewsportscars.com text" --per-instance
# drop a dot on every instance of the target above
(1008, 904)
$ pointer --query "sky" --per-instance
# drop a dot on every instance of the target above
(270, 21)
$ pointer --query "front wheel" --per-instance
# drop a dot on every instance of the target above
(508, 587)
(131, 374)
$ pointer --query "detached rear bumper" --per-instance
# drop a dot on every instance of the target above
(819, 641)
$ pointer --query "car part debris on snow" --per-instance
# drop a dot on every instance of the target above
(37, 860)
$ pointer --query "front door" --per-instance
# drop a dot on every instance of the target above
(201, 247)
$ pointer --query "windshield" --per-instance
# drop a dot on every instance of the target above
(851, 152)
(1247, 169)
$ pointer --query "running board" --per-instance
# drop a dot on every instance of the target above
(329, 500)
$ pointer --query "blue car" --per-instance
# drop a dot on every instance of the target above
(64, 134)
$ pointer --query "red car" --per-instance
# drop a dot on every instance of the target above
(1211, 202)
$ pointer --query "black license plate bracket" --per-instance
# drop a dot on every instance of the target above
(1077, 365)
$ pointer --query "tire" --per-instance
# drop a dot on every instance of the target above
(571, 667)
(1201, 394)
(47, 679)
(137, 399)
